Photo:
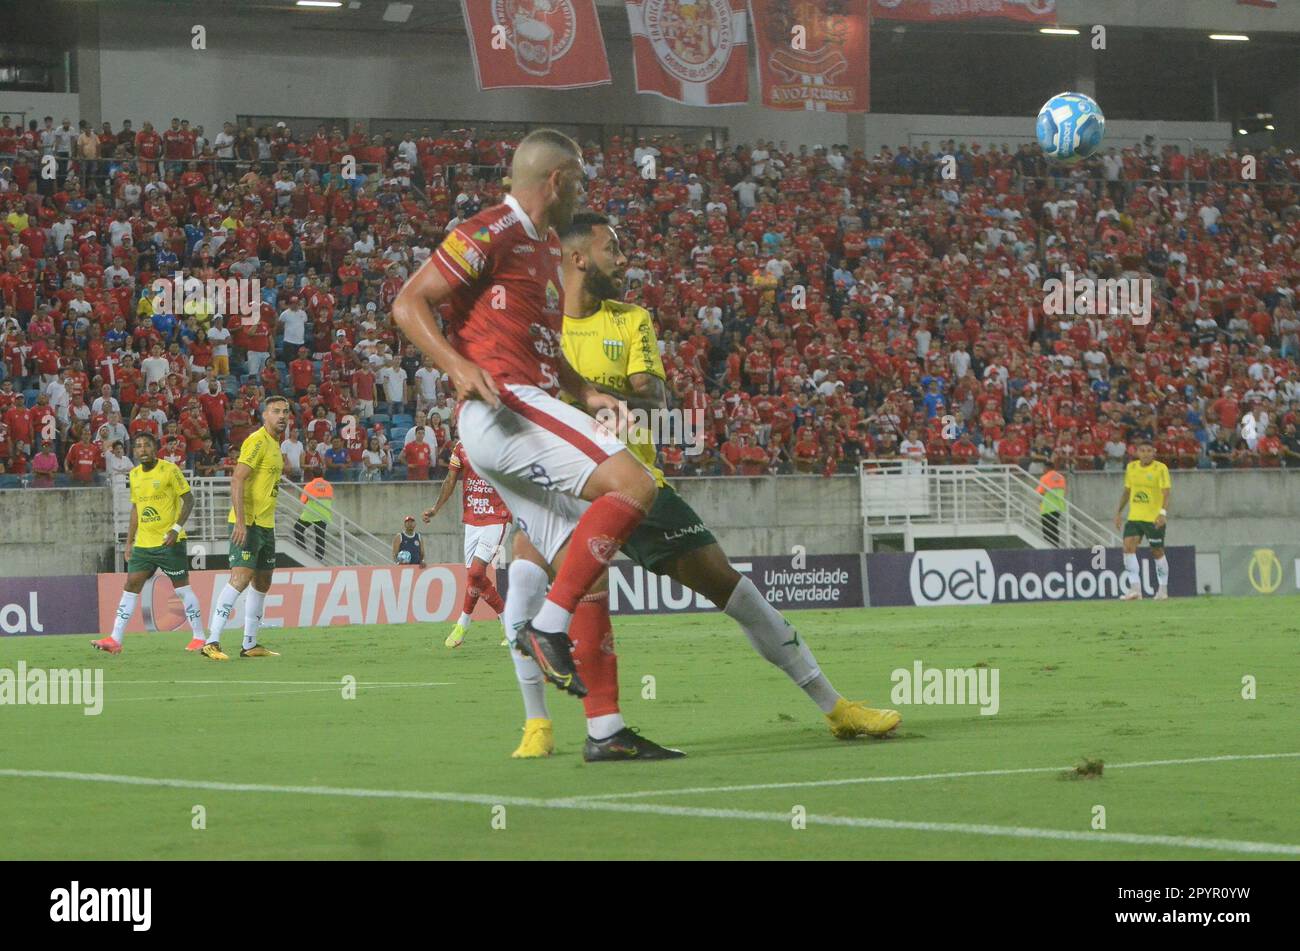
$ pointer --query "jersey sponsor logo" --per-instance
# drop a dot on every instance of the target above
(464, 254)
(149, 513)
(507, 220)
(552, 296)
(483, 236)
(613, 349)
(524, 249)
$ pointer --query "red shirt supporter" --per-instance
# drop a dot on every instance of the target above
(418, 457)
(480, 502)
(81, 461)
(301, 374)
(520, 343)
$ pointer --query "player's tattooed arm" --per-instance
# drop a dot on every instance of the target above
(130, 531)
(649, 392)
(448, 484)
(187, 506)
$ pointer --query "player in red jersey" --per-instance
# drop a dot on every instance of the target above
(499, 272)
(486, 519)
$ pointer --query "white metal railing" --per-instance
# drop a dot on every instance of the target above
(342, 543)
(908, 496)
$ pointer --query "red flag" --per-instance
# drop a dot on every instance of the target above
(1026, 11)
(809, 58)
(1270, 4)
(691, 51)
(556, 44)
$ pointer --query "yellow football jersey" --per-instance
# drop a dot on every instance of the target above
(156, 495)
(261, 453)
(1144, 484)
(608, 347)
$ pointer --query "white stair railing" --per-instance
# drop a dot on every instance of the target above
(914, 497)
(343, 542)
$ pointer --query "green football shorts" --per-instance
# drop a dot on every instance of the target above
(1154, 536)
(672, 528)
(172, 560)
(257, 552)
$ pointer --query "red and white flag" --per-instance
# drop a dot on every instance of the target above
(553, 44)
(812, 58)
(691, 51)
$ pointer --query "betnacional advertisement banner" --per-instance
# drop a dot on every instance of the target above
(1011, 576)
(306, 597)
(548, 44)
(813, 54)
(788, 583)
(691, 51)
(58, 605)
(1042, 12)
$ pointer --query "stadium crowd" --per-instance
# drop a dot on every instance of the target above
(816, 306)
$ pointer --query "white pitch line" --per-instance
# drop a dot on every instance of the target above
(857, 780)
(261, 693)
(296, 683)
(1013, 832)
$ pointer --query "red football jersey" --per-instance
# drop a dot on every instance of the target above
(481, 503)
(506, 305)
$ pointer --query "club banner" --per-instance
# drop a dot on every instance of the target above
(57, 605)
(1042, 12)
(788, 583)
(813, 55)
(551, 44)
(1008, 576)
(307, 597)
(690, 51)
(1255, 571)
(1267, 4)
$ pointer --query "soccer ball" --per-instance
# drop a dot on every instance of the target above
(1070, 127)
(404, 557)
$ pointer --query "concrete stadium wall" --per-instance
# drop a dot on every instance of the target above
(69, 531)
(254, 64)
(55, 532)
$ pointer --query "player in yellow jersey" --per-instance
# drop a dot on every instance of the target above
(1146, 493)
(253, 493)
(155, 538)
(614, 346)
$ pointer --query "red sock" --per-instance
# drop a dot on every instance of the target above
(475, 579)
(492, 596)
(601, 531)
(593, 654)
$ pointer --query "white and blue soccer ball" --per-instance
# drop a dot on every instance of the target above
(1070, 127)
(404, 557)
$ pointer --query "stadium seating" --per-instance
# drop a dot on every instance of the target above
(817, 306)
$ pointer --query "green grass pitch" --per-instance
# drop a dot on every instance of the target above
(418, 765)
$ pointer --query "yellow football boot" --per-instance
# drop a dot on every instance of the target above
(456, 637)
(213, 652)
(538, 740)
(851, 718)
